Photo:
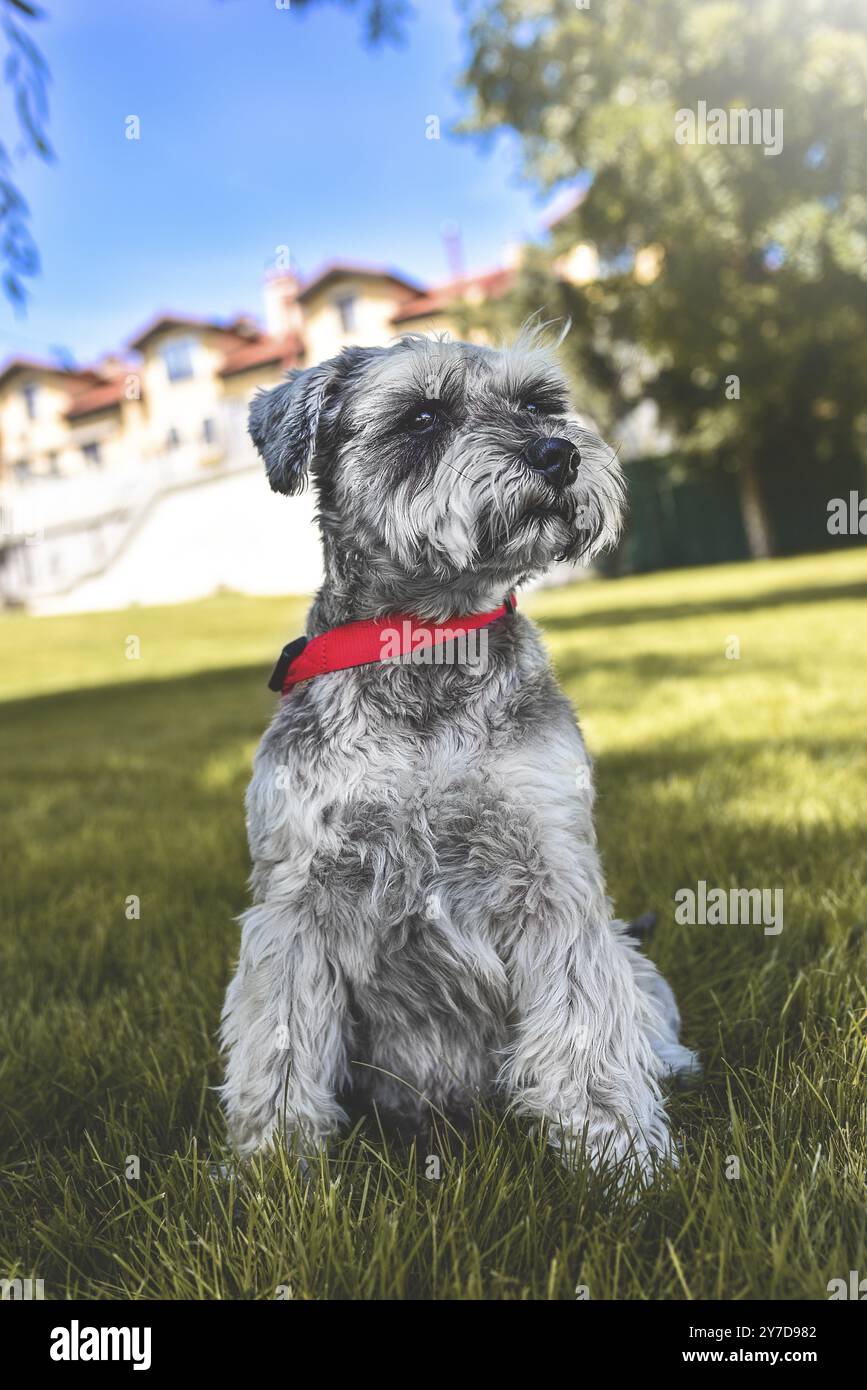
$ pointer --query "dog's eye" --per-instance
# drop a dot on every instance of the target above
(544, 406)
(423, 420)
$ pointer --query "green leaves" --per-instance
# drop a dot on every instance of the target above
(763, 240)
(26, 72)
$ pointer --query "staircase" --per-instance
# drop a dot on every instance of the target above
(166, 531)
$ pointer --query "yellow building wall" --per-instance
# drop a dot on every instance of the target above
(139, 428)
(182, 405)
(23, 440)
(374, 308)
(431, 325)
(120, 433)
(237, 391)
(441, 323)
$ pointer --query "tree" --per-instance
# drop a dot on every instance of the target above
(739, 270)
(26, 72)
(383, 20)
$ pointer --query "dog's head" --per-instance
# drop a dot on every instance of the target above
(442, 468)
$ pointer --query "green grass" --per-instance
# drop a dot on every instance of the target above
(126, 777)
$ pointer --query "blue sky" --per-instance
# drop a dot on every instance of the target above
(259, 128)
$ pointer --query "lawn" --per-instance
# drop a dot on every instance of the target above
(124, 777)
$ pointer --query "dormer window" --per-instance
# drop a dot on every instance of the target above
(178, 358)
(345, 306)
(30, 392)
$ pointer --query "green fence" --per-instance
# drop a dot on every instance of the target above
(677, 519)
(683, 516)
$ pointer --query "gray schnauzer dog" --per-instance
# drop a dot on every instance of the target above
(430, 926)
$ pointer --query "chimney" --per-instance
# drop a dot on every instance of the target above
(451, 234)
(283, 313)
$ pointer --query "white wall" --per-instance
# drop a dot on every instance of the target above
(232, 532)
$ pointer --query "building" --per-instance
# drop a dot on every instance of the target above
(183, 384)
(91, 457)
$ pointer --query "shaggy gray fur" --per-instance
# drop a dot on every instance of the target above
(430, 925)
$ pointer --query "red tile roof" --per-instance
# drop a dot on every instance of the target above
(107, 396)
(338, 270)
(245, 347)
(162, 322)
(287, 352)
(78, 378)
(491, 285)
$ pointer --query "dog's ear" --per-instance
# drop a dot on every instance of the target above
(288, 422)
(284, 424)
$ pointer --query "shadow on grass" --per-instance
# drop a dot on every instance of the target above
(196, 683)
(646, 613)
(114, 781)
(643, 669)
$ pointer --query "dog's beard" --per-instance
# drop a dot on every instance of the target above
(528, 527)
(528, 532)
(507, 535)
(484, 514)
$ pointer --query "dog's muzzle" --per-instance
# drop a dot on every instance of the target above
(557, 460)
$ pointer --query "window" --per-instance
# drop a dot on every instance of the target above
(209, 431)
(22, 470)
(178, 357)
(30, 394)
(53, 463)
(173, 439)
(92, 455)
(346, 309)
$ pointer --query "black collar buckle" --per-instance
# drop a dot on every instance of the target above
(284, 661)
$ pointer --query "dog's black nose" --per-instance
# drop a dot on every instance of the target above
(556, 459)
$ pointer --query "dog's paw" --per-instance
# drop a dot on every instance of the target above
(680, 1066)
(628, 1151)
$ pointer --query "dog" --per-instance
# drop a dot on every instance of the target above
(430, 928)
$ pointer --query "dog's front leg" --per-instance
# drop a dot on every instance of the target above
(283, 1031)
(581, 1057)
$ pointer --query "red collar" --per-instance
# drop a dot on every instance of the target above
(372, 640)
